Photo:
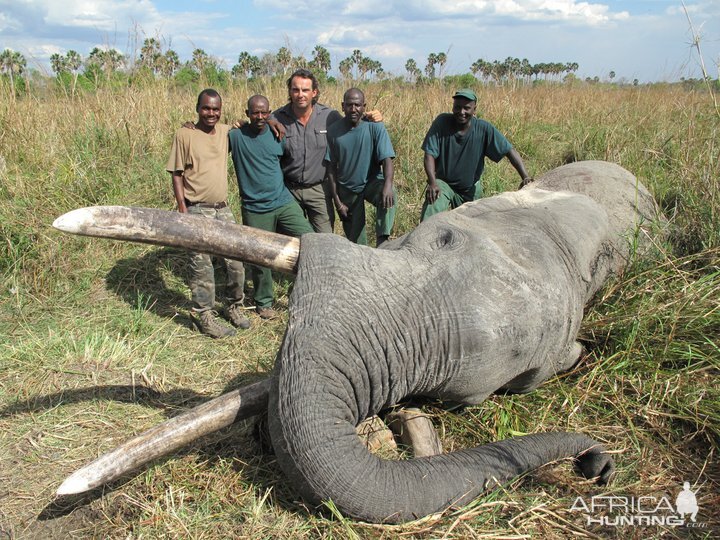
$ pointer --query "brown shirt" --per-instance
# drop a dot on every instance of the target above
(203, 159)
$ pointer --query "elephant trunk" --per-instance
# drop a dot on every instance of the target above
(326, 461)
(324, 458)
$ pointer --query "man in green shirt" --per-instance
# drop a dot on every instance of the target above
(360, 168)
(266, 202)
(456, 146)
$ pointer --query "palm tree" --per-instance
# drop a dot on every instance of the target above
(430, 66)
(151, 55)
(57, 63)
(345, 67)
(321, 59)
(13, 63)
(170, 63)
(412, 69)
(247, 65)
(284, 58)
(73, 61)
(364, 65)
(441, 59)
(106, 60)
(200, 60)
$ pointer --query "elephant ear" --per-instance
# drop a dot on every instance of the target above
(595, 462)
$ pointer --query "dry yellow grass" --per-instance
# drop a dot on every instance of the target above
(95, 344)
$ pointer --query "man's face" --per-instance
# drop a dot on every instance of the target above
(301, 92)
(353, 107)
(209, 110)
(463, 110)
(258, 113)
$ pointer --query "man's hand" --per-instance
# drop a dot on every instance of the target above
(388, 200)
(525, 181)
(189, 125)
(237, 124)
(432, 192)
(277, 128)
(374, 116)
(342, 210)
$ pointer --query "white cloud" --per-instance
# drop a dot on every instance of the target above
(346, 35)
(590, 13)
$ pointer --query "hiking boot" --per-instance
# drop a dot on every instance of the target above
(235, 315)
(206, 322)
(266, 312)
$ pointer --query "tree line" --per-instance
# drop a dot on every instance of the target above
(104, 64)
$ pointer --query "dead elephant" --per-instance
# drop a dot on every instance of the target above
(484, 298)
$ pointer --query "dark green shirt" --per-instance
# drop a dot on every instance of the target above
(358, 152)
(256, 157)
(460, 159)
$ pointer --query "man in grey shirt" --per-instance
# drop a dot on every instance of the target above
(306, 122)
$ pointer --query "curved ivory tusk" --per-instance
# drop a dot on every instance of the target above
(165, 228)
(168, 436)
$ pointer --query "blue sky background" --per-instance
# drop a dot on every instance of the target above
(644, 39)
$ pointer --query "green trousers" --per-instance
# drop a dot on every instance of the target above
(288, 219)
(354, 226)
(317, 205)
(448, 199)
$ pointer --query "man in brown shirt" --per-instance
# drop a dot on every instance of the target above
(198, 165)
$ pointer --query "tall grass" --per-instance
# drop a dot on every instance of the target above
(95, 343)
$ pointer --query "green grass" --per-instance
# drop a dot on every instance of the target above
(95, 342)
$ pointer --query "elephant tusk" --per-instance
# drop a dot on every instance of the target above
(415, 429)
(162, 227)
(170, 435)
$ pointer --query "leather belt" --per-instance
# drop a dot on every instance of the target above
(293, 185)
(216, 206)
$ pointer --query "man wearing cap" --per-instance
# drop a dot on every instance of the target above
(455, 149)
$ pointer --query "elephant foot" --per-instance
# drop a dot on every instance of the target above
(376, 436)
(414, 429)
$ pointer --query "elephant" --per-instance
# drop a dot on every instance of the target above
(488, 297)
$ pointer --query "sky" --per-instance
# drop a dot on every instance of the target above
(648, 40)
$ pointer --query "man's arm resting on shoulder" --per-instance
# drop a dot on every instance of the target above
(276, 127)
(517, 162)
(433, 191)
(387, 194)
(179, 190)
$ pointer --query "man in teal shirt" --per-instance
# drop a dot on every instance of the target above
(266, 202)
(456, 146)
(360, 168)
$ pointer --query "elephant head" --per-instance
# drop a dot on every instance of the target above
(484, 298)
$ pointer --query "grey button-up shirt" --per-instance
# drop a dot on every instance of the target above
(302, 163)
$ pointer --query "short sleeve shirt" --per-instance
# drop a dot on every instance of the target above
(302, 164)
(358, 152)
(202, 157)
(460, 159)
(256, 157)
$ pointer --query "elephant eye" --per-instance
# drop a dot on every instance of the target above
(449, 239)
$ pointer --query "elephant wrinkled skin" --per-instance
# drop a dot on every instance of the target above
(484, 298)
(487, 297)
